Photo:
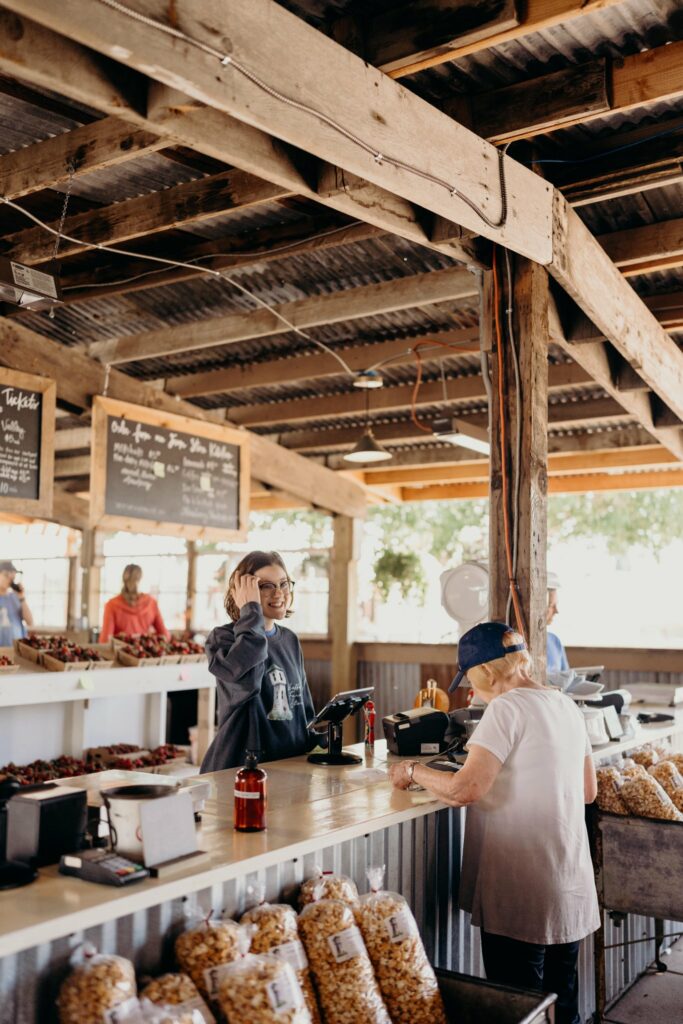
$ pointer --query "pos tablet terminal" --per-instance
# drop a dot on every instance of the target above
(335, 711)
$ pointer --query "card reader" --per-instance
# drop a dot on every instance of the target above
(103, 866)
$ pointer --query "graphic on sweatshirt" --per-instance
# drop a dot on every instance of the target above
(280, 711)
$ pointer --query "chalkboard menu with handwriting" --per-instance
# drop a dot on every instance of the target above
(27, 409)
(168, 469)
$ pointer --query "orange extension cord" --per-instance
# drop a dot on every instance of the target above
(512, 582)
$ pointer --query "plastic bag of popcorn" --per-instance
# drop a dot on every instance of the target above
(262, 989)
(348, 992)
(669, 778)
(207, 944)
(177, 990)
(327, 886)
(646, 756)
(276, 932)
(97, 983)
(608, 798)
(646, 798)
(406, 977)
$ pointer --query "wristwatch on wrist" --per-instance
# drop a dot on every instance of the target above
(411, 770)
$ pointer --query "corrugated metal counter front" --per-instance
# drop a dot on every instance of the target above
(345, 819)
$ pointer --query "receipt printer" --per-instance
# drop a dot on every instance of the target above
(415, 732)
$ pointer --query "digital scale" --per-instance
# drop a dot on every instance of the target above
(103, 866)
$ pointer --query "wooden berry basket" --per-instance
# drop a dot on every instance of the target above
(8, 652)
(53, 664)
(191, 659)
(124, 658)
(24, 650)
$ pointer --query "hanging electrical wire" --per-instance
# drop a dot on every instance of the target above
(216, 274)
(227, 60)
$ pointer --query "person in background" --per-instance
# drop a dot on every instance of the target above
(527, 877)
(556, 656)
(130, 611)
(15, 614)
(264, 703)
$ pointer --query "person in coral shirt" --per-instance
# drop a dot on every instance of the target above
(131, 611)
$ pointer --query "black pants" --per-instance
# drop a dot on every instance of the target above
(542, 968)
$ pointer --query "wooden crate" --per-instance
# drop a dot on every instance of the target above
(23, 650)
(124, 658)
(53, 664)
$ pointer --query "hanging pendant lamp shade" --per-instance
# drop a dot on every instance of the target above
(368, 450)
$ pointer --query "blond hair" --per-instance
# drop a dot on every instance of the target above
(501, 668)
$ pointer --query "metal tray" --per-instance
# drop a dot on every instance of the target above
(473, 1001)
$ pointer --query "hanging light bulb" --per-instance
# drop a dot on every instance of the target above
(368, 449)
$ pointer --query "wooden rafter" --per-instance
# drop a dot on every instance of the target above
(368, 300)
(574, 95)
(320, 365)
(270, 40)
(51, 61)
(91, 147)
(580, 484)
(647, 249)
(79, 378)
(405, 50)
(561, 414)
(183, 204)
(389, 399)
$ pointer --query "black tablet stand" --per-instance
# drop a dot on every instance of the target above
(334, 753)
(339, 708)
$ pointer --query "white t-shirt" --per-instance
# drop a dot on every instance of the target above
(527, 871)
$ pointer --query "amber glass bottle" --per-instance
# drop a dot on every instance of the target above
(250, 796)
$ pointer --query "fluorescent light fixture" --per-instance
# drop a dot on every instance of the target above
(368, 450)
(26, 287)
(368, 379)
(465, 435)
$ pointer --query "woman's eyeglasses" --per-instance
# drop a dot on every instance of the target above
(269, 588)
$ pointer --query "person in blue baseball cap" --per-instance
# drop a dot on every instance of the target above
(527, 877)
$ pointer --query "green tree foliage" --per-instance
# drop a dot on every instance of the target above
(623, 519)
(447, 530)
(402, 569)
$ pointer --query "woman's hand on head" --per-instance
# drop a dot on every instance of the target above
(245, 589)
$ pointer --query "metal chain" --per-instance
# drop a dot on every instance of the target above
(62, 219)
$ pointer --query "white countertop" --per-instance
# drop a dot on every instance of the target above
(309, 806)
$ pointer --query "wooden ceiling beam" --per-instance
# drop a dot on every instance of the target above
(72, 438)
(368, 300)
(595, 357)
(270, 40)
(50, 61)
(389, 399)
(79, 378)
(264, 245)
(564, 462)
(188, 203)
(647, 249)
(424, 34)
(566, 415)
(91, 147)
(75, 465)
(574, 95)
(320, 365)
(580, 484)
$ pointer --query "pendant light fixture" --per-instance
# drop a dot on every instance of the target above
(368, 448)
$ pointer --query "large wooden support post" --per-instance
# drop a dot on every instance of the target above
(343, 595)
(525, 422)
(191, 585)
(92, 560)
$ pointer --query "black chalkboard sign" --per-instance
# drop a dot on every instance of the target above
(27, 405)
(20, 426)
(170, 470)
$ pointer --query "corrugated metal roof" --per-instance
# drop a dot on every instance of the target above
(649, 207)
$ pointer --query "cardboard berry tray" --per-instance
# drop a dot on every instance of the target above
(53, 664)
(124, 658)
(8, 652)
(29, 653)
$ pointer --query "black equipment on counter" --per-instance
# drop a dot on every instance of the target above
(43, 822)
(416, 732)
(13, 874)
(103, 866)
(335, 711)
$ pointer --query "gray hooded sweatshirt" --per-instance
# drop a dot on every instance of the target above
(264, 702)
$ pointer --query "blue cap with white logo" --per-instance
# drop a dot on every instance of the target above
(480, 644)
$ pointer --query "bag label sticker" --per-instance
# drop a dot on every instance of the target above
(346, 945)
(293, 953)
(400, 926)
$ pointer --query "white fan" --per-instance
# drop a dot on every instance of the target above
(465, 594)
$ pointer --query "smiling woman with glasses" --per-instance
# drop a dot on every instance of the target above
(264, 703)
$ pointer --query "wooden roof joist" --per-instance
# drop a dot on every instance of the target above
(49, 60)
(269, 41)
(582, 483)
(400, 44)
(80, 377)
(566, 414)
(368, 300)
(389, 399)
